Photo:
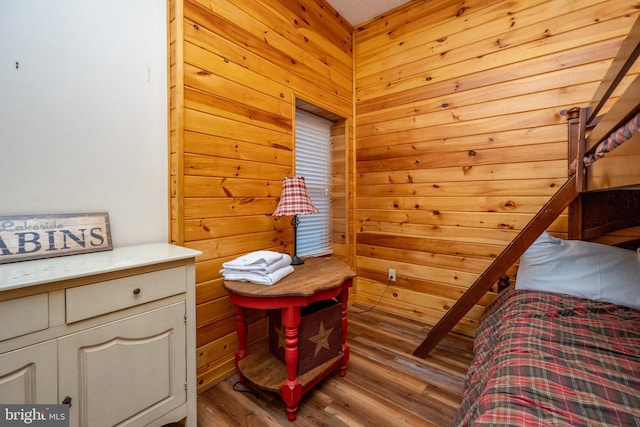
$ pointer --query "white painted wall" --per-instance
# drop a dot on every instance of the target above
(83, 116)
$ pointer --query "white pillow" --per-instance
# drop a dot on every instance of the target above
(584, 269)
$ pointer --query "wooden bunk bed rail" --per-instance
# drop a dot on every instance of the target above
(624, 59)
(622, 111)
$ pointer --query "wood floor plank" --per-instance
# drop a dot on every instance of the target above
(385, 385)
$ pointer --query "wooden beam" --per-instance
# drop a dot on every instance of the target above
(624, 60)
(539, 223)
(607, 211)
(576, 129)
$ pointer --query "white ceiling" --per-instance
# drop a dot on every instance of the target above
(358, 11)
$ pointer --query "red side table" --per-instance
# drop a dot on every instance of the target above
(315, 280)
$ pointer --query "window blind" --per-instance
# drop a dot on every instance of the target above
(313, 162)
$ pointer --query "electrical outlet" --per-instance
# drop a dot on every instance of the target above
(392, 275)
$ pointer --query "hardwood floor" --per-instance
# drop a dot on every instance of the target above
(385, 384)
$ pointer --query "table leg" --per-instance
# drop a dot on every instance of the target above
(291, 389)
(344, 300)
(241, 329)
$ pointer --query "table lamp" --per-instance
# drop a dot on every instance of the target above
(295, 201)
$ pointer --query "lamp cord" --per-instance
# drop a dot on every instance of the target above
(368, 309)
(255, 394)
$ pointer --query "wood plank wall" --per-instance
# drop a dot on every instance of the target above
(236, 69)
(461, 135)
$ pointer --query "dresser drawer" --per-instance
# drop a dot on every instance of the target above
(24, 315)
(92, 300)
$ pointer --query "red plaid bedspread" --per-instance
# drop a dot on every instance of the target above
(544, 359)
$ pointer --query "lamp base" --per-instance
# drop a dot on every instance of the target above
(296, 261)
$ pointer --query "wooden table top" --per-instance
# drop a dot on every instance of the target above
(315, 275)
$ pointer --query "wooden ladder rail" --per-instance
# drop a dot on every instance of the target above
(539, 223)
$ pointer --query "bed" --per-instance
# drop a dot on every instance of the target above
(544, 358)
(562, 346)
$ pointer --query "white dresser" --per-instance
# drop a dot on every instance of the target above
(112, 332)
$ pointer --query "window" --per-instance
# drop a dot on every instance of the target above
(313, 162)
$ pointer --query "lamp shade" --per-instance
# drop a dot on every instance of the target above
(294, 199)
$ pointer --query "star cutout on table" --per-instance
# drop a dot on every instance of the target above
(280, 332)
(322, 339)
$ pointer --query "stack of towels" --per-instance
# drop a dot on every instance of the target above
(261, 267)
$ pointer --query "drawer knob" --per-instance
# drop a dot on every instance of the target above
(136, 291)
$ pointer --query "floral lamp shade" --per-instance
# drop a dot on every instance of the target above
(294, 199)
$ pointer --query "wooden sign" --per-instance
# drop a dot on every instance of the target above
(27, 237)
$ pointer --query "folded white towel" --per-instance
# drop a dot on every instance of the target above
(255, 259)
(260, 268)
(261, 279)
